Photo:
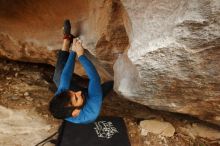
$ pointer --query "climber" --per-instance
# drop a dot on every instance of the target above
(72, 102)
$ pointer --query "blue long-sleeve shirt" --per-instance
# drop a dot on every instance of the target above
(91, 109)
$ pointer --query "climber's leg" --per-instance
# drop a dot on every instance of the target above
(61, 61)
(64, 52)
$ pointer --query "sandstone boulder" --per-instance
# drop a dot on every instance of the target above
(32, 30)
(173, 59)
(157, 127)
(198, 130)
(20, 124)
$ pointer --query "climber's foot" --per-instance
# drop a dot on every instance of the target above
(66, 27)
(67, 31)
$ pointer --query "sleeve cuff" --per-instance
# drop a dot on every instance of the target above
(81, 57)
(72, 52)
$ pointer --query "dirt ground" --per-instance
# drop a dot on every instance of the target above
(26, 89)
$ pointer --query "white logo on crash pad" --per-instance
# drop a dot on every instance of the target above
(105, 129)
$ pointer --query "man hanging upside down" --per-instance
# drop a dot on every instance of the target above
(72, 102)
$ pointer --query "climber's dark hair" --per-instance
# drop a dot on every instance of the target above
(59, 105)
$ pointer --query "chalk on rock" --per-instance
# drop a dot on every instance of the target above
(16, 74)
(26, 94)
(157, 127)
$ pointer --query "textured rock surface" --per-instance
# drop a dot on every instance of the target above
(173, 59)
(157, 127)
(31, 30)
(197, 130)
(20, 124)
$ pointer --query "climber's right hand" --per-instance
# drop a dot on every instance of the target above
(77, 47)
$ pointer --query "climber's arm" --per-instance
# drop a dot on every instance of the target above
(94, 89)
(92, 108)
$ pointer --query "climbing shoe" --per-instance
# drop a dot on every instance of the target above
(67, 30)
(66, 27)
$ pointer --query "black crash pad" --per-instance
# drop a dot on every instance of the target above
(105, 131)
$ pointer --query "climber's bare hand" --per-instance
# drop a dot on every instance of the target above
(77, 47)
